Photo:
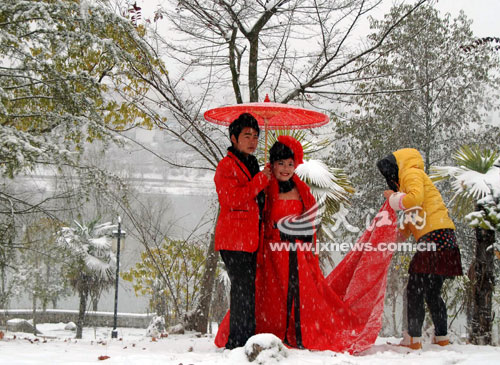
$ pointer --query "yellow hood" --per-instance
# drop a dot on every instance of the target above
(408, 158)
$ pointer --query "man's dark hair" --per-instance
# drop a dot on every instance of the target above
(245, 120)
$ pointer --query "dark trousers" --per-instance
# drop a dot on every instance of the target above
(241, 268)
(293, 297)
(426, 287)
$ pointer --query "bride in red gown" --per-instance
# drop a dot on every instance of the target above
(293, 299)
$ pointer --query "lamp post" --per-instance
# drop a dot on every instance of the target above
(118, 234)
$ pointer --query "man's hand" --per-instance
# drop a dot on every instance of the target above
(267, 171)
(388, 193)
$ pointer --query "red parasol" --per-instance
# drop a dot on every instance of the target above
(269, 115)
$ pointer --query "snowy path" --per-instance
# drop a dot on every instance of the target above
(134, 348)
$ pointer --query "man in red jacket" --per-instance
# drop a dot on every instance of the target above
(239, 184)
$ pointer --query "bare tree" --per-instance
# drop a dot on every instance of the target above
(294, 49)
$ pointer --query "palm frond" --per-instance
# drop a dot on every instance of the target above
(316, 172)
(476, 159)
(299, 134)
(328, 183)
(475, 177)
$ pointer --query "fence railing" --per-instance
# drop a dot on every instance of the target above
(92, 319)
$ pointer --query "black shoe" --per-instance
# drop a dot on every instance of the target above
(231, 345)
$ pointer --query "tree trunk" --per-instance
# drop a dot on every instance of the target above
(3, 294)
(199, 321)
(252, 69)
(45, 299)
(34, 314)
(394, 315)
(404, 323)
(483, 286)
(81, 314)
(234, 66)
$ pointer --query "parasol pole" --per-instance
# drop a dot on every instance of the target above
(265, 138)
(266, 122)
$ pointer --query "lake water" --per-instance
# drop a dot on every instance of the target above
(191, 207)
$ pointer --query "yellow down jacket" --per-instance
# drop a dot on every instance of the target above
(422, 197)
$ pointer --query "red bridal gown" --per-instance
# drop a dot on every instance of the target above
(342, 312)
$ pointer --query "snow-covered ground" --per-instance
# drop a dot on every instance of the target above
(58, 346)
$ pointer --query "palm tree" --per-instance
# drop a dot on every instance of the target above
(476, 184)
(91, 263)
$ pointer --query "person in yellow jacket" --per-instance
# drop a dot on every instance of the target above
(438, 255)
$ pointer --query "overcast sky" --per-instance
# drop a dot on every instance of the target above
(484, 13)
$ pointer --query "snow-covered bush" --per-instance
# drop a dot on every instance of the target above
(488, 217)
(265, 348)
(156, 327)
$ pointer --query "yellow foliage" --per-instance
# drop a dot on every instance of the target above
(172, 270)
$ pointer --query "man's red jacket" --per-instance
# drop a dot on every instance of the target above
(238, 224)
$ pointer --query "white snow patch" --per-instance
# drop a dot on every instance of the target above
(58, 346)
(265, 348)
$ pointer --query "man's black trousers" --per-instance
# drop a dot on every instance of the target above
(241, 268)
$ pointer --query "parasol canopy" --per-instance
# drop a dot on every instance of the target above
(269, 115)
